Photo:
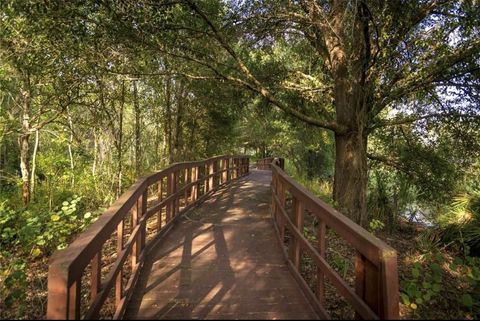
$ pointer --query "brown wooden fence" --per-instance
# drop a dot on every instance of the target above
(98, 271)
(376, 294)
(264, 163)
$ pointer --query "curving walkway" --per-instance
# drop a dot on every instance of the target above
(222, 261)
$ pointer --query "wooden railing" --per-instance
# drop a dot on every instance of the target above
(264, 163)
(376, 294)
(94, 277)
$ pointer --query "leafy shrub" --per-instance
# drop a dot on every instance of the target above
(427, 280)
(33, 233)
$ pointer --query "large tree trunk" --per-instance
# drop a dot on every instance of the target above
(350, 185)
(351, 89)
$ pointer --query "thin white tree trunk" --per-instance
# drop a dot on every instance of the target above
(70, 154)
(34, 163)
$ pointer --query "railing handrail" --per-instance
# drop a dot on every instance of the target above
(264, 163)
(349, 230)
(68, 265)
(376, 289)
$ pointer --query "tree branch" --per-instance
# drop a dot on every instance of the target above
(412, 119)
(255, 85)
(427, 75)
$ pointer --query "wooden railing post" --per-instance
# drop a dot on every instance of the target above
(389, 291)
(118, 281)
(378, 286)
(143, 203)
(224, 171)
(274, 191)
(74, 296)
(160, 199)
(238, 168)
(235, 168)
(206, 180)
(229, 175)
(194, 185)
(298, 216)
(169, 206)
(58, 293)
(96, 276)
(281, 197)
(211, 171)
(186, 189)
(176, 200)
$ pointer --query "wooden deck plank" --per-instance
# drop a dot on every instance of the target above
(222, 261)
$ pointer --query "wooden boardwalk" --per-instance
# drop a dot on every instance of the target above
(222, 261)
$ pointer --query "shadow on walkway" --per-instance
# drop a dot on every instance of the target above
(221, 261)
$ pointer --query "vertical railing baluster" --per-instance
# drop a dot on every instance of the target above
(274, 192)
(136, 246)
(194, 190)
(169, 193)
(298, 211)
(205, 178)
(235, 163)
(118, 281)
(281, 197)
(210, 177)
(143, 206)
(185, 187)
(74, 297)
(160, 199)
(176, 199)
(321, 231)
(96, 276)
(224, 170)
(229, 165)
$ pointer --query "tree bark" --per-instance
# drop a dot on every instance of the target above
(350, 183)
(351, 92)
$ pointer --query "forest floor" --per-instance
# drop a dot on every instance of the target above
(407, 240)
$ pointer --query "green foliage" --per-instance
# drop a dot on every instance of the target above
(459, 222)
(13, 280)
(424, 283)
(376, 225)
(32, 233)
